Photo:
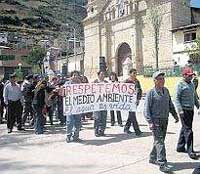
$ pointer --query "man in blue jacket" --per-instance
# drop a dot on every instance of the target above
(157, 107)
(186, 98)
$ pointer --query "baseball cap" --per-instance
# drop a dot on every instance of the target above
(187, 71)
(157, 73)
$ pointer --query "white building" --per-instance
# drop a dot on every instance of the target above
(183, 39)
(3, 38)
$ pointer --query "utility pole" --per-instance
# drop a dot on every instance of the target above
(75, 46)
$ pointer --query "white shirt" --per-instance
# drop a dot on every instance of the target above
(12, 92)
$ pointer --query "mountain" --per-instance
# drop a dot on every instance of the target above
(40, 15)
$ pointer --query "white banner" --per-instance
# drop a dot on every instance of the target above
(90, 97)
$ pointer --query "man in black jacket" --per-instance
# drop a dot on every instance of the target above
(27, 91)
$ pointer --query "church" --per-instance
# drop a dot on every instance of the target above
(121, 31)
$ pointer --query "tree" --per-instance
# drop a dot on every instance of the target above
(156, 17)
(35, 56)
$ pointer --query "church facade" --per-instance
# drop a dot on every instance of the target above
(121, 29)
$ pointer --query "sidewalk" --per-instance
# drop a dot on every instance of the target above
(117, 153)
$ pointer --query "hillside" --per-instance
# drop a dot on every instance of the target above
(40, 15)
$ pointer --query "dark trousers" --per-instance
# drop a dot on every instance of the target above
(73, 126)
(186, 134)
(1, 112)
(119, 118)
(28, 112)
(50, 114)
(132, 120)
(159, 131)
(61, 117)
(14, 114)
(39, 119)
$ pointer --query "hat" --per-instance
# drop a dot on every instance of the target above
(157, 73)
(13, 75)
(187, 71)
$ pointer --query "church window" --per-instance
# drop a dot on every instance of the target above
(92, 9)
(120, 7)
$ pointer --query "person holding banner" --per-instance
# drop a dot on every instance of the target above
(73, 121)
(132, 115)
(113, 79)
(100, 117)
(157, 106)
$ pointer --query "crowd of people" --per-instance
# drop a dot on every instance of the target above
(38, 97)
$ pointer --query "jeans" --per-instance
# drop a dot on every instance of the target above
(159, 131)
(73, 125)
(100, 118)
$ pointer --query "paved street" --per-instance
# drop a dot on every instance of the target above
(117, 153)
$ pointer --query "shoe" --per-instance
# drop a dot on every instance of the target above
(128, 131)
(97, 135)
(138, 133)
(193, 156)
(180, 150)
(112, 124)
(120, 125)
(153, 161)
(101, 133)
(68, 139)
(21, 129)
(9, 131)
(164, 168)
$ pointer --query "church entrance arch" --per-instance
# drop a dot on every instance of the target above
(123, 51)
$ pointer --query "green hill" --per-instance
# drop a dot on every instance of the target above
(40, 15)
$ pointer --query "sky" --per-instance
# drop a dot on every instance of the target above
(195, 3)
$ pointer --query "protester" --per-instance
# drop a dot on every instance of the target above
(186, 98)
(2, 105)
(113, 79)
(38, 105)
(50, 95)
(61, 117)
(73, 121)
(27, 91)
(132, 115)
(12, 98)
(100, 116)
(158, 104)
